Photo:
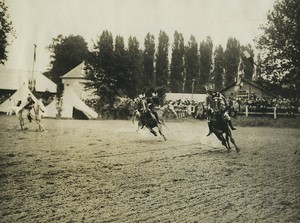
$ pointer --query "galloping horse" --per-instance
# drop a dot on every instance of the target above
(146, 118)
(162, 112)
(220, 127)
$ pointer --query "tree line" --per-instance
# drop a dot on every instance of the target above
(188, 67)
(115, 69)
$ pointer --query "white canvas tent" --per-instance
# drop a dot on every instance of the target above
(50, 110)
(18, 100)
(70, 104)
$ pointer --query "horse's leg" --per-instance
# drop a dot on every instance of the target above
(160, 132)
(221, 138)
(152, 131)
(228, 144)
(238, 150)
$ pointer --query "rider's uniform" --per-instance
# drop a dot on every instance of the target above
(29, 106)
(217, 103)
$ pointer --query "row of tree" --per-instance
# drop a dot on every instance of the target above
(115, 69)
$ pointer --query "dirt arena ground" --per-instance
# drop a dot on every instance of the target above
(104, 171)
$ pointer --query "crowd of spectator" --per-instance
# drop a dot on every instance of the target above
(282, 105)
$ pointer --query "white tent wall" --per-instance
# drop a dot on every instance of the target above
(70, 100)
(50, 110)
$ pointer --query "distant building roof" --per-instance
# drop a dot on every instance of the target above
(253, 84)
(76, 73)
(12, 79)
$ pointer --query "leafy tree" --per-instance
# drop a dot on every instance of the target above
(177, 66)
(218, 68)
(280, 45)
(206, 49)
(6, 29)
(162, 60)
(101, 71)
(191, 65)
(148, 55)
(231, 59)
(67, 53)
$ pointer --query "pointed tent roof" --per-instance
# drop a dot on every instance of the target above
(19, 96)
(76, 73)
(11, 79)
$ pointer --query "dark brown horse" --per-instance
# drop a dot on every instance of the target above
(162, 112)
(219, 127)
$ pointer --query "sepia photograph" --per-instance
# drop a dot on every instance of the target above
(149, 111)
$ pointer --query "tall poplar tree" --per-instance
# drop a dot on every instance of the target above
(135, 66)
(177, 66)
(206, 49)
(121, 67)
(148, 55)
(218, 68)
(162, 60)
(231, 59)
(192, 66)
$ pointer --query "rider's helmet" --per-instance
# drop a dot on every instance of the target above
(142, 95)
(209, 89)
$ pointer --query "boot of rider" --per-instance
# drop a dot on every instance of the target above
(230, 124)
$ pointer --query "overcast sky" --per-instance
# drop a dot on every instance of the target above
(39, 21)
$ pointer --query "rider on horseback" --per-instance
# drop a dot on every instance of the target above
(216, 103)
(29, 105)
(152, 100)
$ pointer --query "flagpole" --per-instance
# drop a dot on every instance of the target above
(32, 79)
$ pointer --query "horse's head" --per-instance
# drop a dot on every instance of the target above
(172, 109)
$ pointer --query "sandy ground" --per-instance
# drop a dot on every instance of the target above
(104, 171)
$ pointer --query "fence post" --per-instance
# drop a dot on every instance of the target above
(275, 115)
(246, 110)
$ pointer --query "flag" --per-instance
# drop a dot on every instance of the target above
(240, 74)
(249, 58)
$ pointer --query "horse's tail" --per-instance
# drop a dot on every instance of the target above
(136, 113)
